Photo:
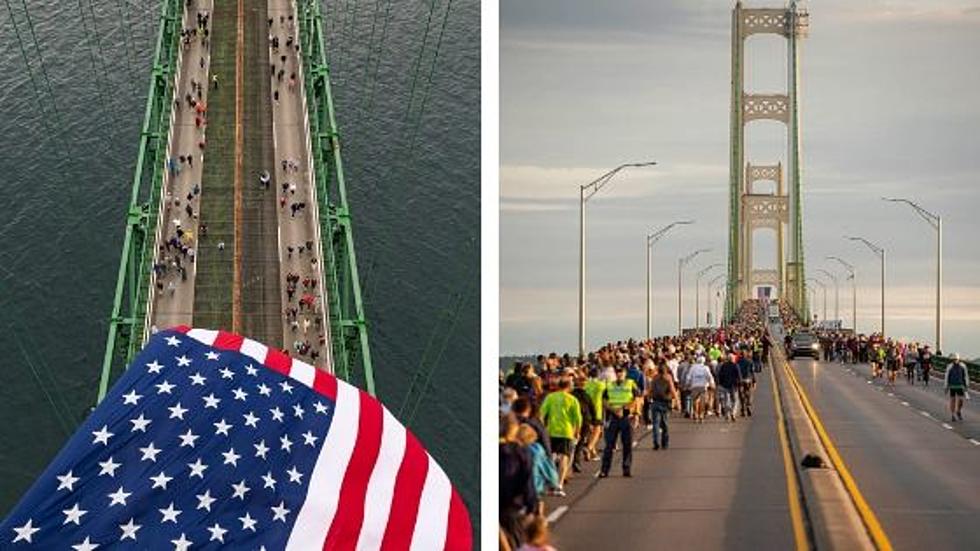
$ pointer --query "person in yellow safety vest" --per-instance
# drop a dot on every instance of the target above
(595, 388)
(563, 418)
(619, 398)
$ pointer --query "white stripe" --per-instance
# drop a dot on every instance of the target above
(255, 350)
(433, 518)
(207, 336)
(303, 372)
(557, 514)
(323, 493)
(381, 486)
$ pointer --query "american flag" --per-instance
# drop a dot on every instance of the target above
(212, 440)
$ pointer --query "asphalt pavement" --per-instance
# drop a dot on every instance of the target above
(919, 472)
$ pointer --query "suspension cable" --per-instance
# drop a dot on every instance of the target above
(418, 61)
(432, 70)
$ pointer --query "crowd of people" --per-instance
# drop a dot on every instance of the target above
(554, 413)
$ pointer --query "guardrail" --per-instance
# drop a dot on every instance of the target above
(972, 368)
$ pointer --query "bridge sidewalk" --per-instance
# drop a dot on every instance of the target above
(719, 486)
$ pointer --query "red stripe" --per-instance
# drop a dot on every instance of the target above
(408, 493)
(277, 361)
(228, 341)
(459, 533)
(347, 523)
(181, 329)
(325, 384)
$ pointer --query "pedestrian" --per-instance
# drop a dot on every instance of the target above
(957, 386)
(662, 394)
(619, 398)
(221, 245)
(563, 417)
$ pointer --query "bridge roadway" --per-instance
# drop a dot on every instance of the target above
(247, 131)
(722, 486)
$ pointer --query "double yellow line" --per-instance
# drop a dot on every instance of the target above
(868, 517)
(792, 482)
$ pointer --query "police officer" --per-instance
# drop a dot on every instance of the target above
(619, 398)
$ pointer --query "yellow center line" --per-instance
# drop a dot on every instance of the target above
(868, 516)
(236, 292)
(792, 483)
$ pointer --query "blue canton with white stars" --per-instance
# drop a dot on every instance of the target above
(193, 448)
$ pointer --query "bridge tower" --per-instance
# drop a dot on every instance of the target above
(781, 210)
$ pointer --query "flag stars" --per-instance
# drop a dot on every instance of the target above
(217, 533)
(25, 532)
(181, 543)
(261, 449)
(226, 373)
(169, 514)
(187, 439)
(264, 390)
(210, 401)
(285, 443)
(119, 497)
(197, 379)
(165, 387)
(177, 411)
(197, 469)
(276, 413)
(309, 439)
(154, 367)
(221, 427)
(240, 490)
(279, 512)
(248, 523)
(173, 341)
(131, 397)
(85, 545)
(251, 420)
(298, 411)
(269, 481)
(109, 467)
(295, 476)
(320, 408)
(239, 394)
(140, 423)
(102, 435)
(150, 453)
(231, 457)
(183, 361)
(129, 530)
(67, 481)
(161, 480)
(212, 355)
(73, 515)
(286, 387)
(250, 369)
(205, 500)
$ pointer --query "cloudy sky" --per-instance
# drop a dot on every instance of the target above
(890, 106)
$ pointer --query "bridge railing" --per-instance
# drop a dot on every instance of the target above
(129, 307)
(940, 363)
(351, 353)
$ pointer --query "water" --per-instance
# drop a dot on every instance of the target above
(415, 207)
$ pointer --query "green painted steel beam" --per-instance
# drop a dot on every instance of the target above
(348, 326)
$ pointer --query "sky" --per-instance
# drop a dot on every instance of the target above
(889, 107)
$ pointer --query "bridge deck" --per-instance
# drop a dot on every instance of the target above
(243, 218)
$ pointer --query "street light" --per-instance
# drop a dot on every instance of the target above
(936, 222)
(586, 191)
(881, 254)
(681, 262)
(854, 301)
(713, 304)
(697, 293)
(836, 292)
(824, 288)
(651, 239)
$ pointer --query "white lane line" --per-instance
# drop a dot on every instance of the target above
(975, 442)
(905, 404)
(925, 413)
(557, 513)
(891, 393)
(947, 426)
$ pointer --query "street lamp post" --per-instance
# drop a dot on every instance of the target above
(651, 240)
(854, 301)
(681, 262)
(713, 304)
(823, 287)
(586, 191)
(836, 292)
(936, 222)
(697, 293)
(881, 254)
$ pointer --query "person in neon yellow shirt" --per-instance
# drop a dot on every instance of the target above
(562, 416)
(595, 388)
